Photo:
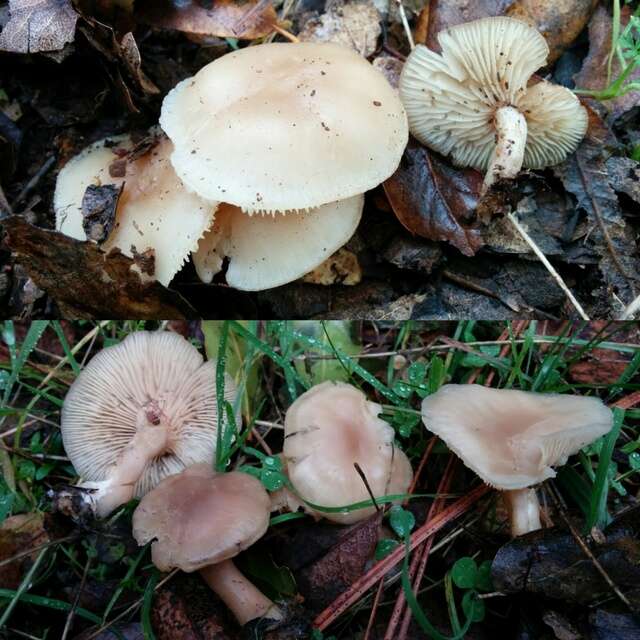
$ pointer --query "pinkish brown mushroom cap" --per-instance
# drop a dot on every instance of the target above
(200, 518)
(327, 430)
(513, 439)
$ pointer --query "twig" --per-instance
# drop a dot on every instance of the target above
(283, 32)
(76, 600)
(29, 552)
(5, 207)
(554, 274)
(49, 162)
(374, 608)
(363, 584)
(405, 24)
(630, 310)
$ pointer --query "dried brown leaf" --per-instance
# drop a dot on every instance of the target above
(86, 282)
(131, 55)
(38, 25)
(584, 174)
(353, 24)
(225, 19)
(593, 74)
(434, 200)
(340, 268)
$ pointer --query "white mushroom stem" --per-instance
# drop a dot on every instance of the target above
(239, 594)
(524, 511)
(506, 159)
(150, 440)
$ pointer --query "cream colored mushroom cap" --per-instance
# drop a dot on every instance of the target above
(451, 98)
(199, 518)
(104, 403)
(278, 127)
(154, 211)
(327, 430)
(511, 438)
(266, 251)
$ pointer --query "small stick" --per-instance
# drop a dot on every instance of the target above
(405, 24)
(554, 274)
(287, 34)
(630, 310)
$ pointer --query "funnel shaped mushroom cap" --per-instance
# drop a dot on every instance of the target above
(154, 210)
(512, 439)
(267, 251)
(199, 518)
(451, 98)
(327, 430)
(285, 126)
(103, 407)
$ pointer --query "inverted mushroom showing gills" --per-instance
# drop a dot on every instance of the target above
(198, 521)
(327, 430)
(154, 210)
(283, 130)
(478, 102)
(140, 411)
(513, 439)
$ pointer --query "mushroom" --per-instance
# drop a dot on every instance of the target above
(298, 131)
(327, 430)
(478, 102)
(512, 439)
(154, 210)
(199, 520)
(266, 251)
(140, 411)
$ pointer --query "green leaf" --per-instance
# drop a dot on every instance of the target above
(385, 547)
(464, 573)
(401, 520)
(483, 579)
(6, 503)
(473, 607)
(147, 601)
(272, 480)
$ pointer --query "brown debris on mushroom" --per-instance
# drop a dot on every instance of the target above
(329, 429)
(512, 439)
(140, 411)
(198, 521)
(477, 103)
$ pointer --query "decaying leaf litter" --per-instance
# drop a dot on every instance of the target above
(73, 572)
(440, 256)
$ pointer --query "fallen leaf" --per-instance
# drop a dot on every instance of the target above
(326, 578)
(225, 19)
(584, 175)
(99, 205)
(435, 200)
(624, 176)
(593, 74)
(413, 254)
(447, 13)
(18, 534)
(353, 24)
(340, 268)
(38, 25)
(132, 59)
(99, 285)
(559, 21)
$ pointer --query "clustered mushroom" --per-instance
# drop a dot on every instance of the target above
(479, 103)
(512, 439)
(282, 139)
(140, 410)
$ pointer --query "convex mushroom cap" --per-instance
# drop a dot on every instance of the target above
(327, 430)
(512, 439)
(140, 411)
(280, 127)
(199, 520)
(477, 102)
(271, 250)
(154, 210)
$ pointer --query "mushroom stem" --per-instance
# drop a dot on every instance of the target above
(524, 510)
(239, 594)
(506, 159)
(150, 441)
